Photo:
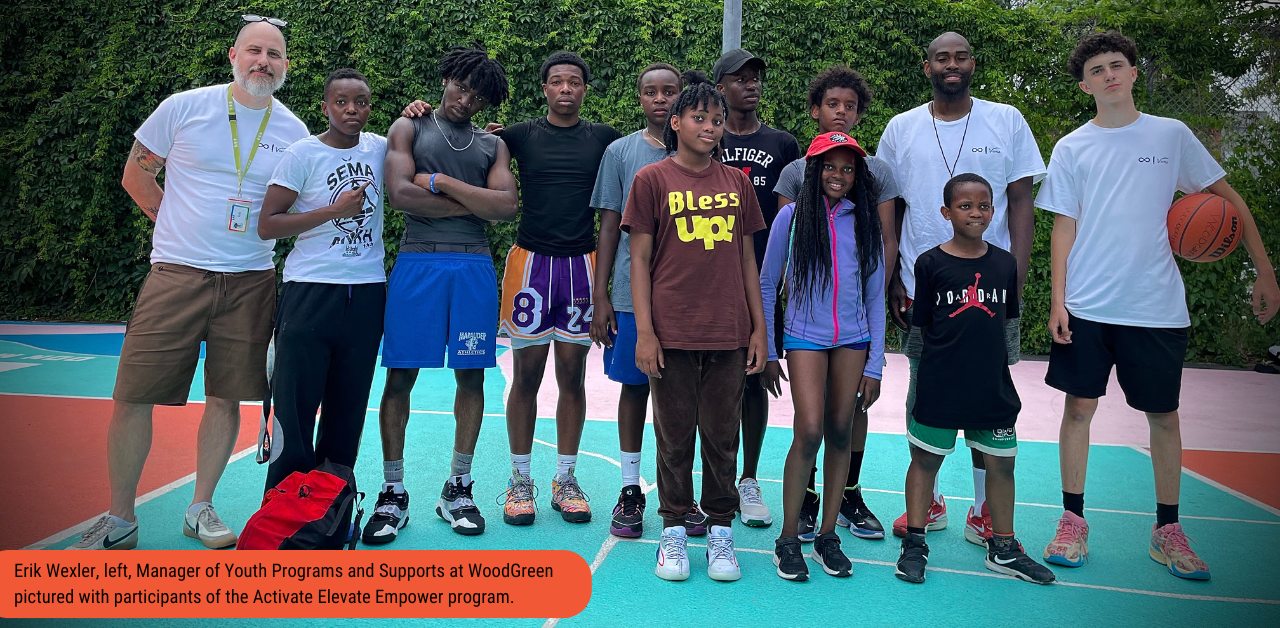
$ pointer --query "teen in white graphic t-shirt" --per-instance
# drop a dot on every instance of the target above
(327, 190)
(1117, 297)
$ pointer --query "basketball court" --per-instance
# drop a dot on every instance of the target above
(55, 389)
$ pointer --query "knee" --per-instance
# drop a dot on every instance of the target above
(1163, 420)
(1078, 409)
(636, 392)
(470, 380)
(399, 383)
(1000, 465)
(925, 461)
(839, 435)
(807, 441)
(527, 379)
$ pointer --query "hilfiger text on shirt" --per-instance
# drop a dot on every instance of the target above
(709, 230)
(753, 155)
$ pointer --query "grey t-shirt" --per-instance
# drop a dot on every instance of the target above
(621, 161)
(466, 154)
(885, 187)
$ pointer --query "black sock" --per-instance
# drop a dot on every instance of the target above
(1001, 542)
(1073, 503)
(911, 530)
(813, 480)
(855, 469)
(1166, 514)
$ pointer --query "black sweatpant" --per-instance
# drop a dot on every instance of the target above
(326, 352)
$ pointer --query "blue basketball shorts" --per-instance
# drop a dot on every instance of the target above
(441, 304)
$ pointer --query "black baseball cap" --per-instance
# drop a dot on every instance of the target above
(733, 61)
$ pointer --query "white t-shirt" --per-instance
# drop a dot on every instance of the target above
(1118, 184)
(998, 145)
(342, 251)
(191, 132)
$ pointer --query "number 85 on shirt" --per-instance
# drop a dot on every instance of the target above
(546, 297)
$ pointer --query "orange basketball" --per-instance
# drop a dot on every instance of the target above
(1203, 227)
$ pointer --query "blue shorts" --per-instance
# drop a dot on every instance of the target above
(440, 303)
(620, 359)
(791, 343)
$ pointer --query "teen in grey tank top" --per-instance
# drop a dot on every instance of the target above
(464, 152)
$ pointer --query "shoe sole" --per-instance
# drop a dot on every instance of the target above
(1159, 557)
(757, 523)
(517, 520)
(670, 577)
(725, 577)
(817, 558)
(1013, 572)
(697, 530)
(626, 532)
(905, 578)
(1062, 560)
(369, 539)
(807, 537)
(221, 543)
(972, 536)
(799, 577)
(571, 517)
(453, 523)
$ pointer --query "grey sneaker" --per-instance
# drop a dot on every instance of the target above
(106, 535)
(206, 527)
(751, 505)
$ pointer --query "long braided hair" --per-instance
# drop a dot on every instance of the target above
(473, 65)
(698, 93)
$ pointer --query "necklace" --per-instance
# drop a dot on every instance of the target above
(951, 167)
(655, 140)
(446, 136)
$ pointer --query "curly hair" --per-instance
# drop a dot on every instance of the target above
(564, 57)
(1100, 43)
(698, 93)
(473, 65)
(839, 76)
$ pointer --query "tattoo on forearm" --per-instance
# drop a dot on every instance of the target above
(151, 212)
(146, 159)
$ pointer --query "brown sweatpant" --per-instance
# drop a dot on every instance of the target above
(699, 394)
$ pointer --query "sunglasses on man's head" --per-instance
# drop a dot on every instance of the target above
(274, 21)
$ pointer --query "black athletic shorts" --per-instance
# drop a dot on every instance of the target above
(1148, 363)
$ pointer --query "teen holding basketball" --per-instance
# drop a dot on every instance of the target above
(1111, 182)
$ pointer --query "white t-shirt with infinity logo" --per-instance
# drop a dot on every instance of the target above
(346, 250)
(1118, 184)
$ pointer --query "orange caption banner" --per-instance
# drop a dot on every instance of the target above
(199, 584)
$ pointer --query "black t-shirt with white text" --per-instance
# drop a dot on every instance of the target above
(762, 156)
(961, 306)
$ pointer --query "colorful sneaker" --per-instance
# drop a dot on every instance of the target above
(389, 515)
(673, 555)
(1070, 546)
(937, 519)
(977, 530)
(628, 515)
(695, 521)
(826, 552)
(457, 507)
(206, 527)
(107, 534)
(518, 502)
(1007, 557)
(788, 557)
(1169, 547)
(807, 528)
(722, 563)
(567, 498)
(855, 515)
(913, 559)
(751, 505)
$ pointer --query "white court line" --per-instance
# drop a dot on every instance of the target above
(87, 523)
(988, 574)
(645, 487)
(1219, 486)
(605, 548)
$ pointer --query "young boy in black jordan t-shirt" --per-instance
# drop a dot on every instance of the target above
(761, 152)
(965, 290)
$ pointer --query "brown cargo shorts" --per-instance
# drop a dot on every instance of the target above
(178, 308)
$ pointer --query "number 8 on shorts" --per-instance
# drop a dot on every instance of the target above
(546, 297)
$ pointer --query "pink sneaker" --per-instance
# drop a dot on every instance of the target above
(1169, 546)
(1070, 546)
(937, 519)
(977, 530)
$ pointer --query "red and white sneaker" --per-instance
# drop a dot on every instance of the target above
(977, 530)
(937, 519)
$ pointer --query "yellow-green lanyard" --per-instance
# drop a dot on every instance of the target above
(235, 138)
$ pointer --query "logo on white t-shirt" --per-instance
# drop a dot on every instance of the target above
(1153, 160)
(357, 233)
(986, 150)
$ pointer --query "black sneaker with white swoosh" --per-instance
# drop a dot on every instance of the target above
(389, 515)
(457, 507)
(1007, 557)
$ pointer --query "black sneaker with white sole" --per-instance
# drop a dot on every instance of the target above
(788, 557)
(855, 515)
(826, 552)
(913, 559)
(457, 507)
(807, 527)
(389, 515)
(1007, 557)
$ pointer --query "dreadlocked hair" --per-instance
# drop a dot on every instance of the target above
(698, 93)
(473, 65)
(810, 249)
(652, 67)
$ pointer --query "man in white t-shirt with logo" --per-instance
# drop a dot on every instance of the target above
(926, 146)
(212, 278)
(327, 190)
(1118, 298)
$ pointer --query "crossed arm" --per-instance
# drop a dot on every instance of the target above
(410, 194)
(139, 179)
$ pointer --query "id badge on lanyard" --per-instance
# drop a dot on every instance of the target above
(238, 208)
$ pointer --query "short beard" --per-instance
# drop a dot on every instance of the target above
(258, 88)
(940, 84)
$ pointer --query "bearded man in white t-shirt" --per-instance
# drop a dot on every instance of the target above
(212, 279)
(1118, 298)
(953, 134)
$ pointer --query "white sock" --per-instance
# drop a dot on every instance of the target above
(630, 468)
(521, 463)
(979, 490)
(937, 495)
(396, 487)
(121, 523)
(565, 464)
(195, 508)
(393, 471)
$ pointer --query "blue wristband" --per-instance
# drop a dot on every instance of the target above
(432, 183)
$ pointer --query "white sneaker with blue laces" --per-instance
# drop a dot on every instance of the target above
(673, 554)
(722, 563)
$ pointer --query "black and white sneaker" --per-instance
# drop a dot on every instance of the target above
(855, 515)
(788, 557)
(826, 552)
(457, 507)
(912, 560)
(807, 527)
(389, 516)
(1008, 558)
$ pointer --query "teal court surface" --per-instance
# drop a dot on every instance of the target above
(55, 387)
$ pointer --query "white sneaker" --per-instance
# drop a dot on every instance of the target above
(751, 505)
(107, 534)
(206, 527)
(673, 554)
(722, 563)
